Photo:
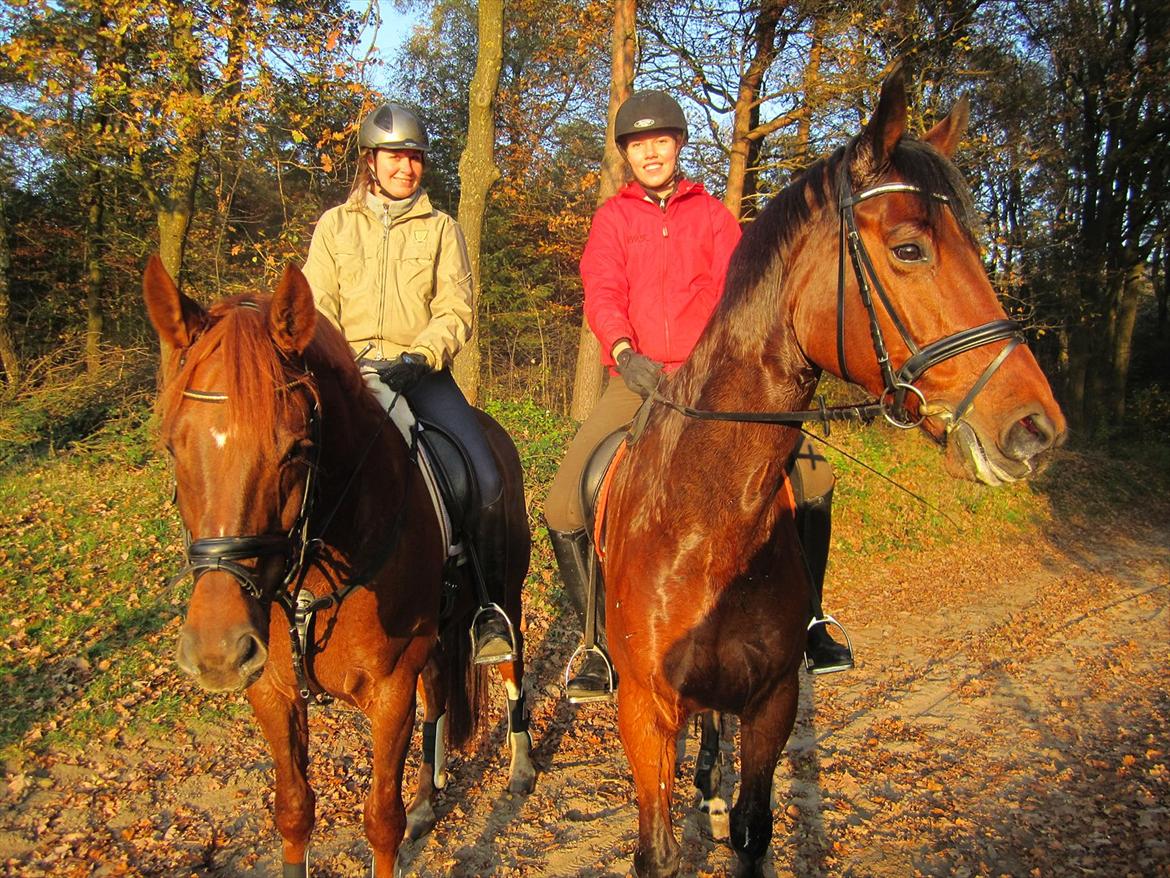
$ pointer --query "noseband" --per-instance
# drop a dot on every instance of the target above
(900, 383)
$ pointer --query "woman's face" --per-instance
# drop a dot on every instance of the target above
(399, 171)
(653, 157)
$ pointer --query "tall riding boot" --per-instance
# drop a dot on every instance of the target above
(491, 631)
(814, 525)
(595, 679)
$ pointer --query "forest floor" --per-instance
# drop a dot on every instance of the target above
(1007, 716)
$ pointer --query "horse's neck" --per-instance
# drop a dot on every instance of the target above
(364, 472)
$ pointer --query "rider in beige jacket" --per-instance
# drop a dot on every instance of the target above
(393, 274)
(400, 283)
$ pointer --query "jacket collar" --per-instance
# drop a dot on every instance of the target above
(373, 206)
(684, 189)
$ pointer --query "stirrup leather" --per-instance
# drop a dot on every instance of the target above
(828, 620)
(492, 609)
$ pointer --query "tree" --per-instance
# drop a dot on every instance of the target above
(588, 375)
(478, 169)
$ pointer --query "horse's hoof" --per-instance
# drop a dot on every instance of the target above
(419, 822)
(718, 817)
(295, 870)
(748, 868)
(522, 784)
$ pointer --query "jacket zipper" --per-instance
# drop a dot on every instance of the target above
(382, 279)
(662, 285)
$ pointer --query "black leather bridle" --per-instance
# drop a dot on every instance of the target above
(224, 554)
(899, 383)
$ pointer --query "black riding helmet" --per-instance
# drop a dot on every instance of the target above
(649, 110)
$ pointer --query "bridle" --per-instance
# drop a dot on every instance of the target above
(899, 384)
(224, 554)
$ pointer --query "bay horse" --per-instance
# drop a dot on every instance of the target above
(868, 259)
(316, 552)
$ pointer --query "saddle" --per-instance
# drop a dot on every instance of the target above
(594, 483)
(451, 467)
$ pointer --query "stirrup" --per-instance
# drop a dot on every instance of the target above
(829, 620)
(611, 683)
(494, 658)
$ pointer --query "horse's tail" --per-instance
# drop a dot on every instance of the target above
(467, 685)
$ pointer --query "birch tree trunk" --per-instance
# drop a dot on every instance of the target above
(587, 381)
(478, 171)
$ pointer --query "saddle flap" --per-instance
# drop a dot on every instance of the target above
(594, 474)
(452, 472)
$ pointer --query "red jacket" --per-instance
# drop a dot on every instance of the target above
(654, 276)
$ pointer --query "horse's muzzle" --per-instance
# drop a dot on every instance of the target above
(231, 663)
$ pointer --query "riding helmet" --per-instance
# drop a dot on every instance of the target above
(649, 110)
(393, 126)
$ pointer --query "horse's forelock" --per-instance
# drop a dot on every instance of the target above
(921, 165)
(255, 373)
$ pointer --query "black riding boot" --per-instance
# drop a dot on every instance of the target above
(491, 630)
(595, 679)
(814, 524)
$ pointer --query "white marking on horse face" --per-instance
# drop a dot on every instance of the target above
(219, 437)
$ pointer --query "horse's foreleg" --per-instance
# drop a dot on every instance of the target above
(283, 719)
(432, 772)
(649, 741)
(521, 773)
(763, 732)
(391, 722)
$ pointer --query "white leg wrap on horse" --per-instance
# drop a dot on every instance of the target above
(441, 752)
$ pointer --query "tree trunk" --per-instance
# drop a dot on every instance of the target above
(1122, 341)
(478, 171)
(9, 362)
(745, 126)
(589, 376)
(95, 204)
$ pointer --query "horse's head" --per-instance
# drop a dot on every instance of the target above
(911, 285)
(239, 418)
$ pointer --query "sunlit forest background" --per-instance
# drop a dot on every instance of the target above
(217, 132)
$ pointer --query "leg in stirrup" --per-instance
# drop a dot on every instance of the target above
(822, 654)
(493, 639)
(595, 679)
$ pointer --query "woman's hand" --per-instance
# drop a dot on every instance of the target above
(404, 372)
(639, 372)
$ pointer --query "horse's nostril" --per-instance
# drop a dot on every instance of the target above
(251, 652)
(1028, 436)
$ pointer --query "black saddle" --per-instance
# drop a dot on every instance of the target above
(594, 473)
(452, 468)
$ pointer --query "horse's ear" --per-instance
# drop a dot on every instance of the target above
(947, 133)
(885, 127)
(293, 315)
(176, 318)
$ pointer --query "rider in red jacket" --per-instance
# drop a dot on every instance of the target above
(653, 269)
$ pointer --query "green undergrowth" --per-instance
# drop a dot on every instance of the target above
(88, 539)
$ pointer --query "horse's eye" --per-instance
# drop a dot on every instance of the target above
(909, 253)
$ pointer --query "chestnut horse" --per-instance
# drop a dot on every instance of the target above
(865, 261)
(298, 493)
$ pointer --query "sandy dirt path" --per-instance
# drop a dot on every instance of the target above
(1007, 716)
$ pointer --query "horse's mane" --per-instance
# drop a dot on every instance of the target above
(257, 374)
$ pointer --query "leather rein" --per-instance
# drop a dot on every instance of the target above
(899, 383)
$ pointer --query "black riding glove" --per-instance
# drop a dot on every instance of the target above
(404, 372)
(639, 372)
